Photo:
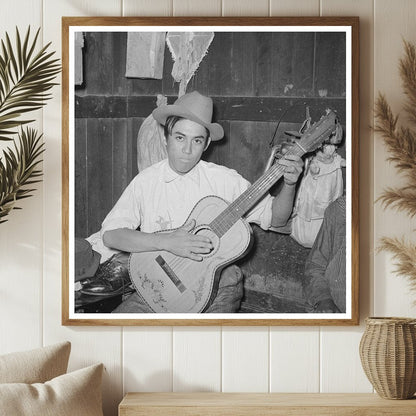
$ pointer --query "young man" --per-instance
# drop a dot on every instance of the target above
(162, 196)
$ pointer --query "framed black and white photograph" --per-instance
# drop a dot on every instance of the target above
(210, 171)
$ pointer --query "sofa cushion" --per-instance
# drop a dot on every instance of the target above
(35, 366)
(73, 394)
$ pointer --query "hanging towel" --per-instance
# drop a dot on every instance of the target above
(145, 54)
(79, 44)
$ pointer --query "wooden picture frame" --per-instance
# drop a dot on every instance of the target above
(262, 74)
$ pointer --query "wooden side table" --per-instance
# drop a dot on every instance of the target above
(262, 404)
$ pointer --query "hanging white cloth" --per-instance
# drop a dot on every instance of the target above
(150, 140)
(188, 50)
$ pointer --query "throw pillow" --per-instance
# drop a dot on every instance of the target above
(35, 366)
(73, 394)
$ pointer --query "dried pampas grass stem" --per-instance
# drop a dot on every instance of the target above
(405, 254)
(401, 144)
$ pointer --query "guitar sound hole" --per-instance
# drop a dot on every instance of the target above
(207, 232)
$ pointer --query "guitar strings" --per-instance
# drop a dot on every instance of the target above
(237, 209)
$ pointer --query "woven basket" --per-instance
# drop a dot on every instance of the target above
(388, 356)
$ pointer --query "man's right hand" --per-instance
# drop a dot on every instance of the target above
(182, 242)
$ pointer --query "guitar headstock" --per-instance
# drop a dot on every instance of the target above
(319, 132)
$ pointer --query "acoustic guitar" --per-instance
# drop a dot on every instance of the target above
(169, 283)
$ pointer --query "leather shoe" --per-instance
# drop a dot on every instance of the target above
(112, 278)
(103, 287)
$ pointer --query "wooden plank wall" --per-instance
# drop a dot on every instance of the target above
(237, 64)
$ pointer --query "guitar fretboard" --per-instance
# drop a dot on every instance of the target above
(223, 222)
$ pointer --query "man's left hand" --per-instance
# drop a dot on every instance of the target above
(294, 167)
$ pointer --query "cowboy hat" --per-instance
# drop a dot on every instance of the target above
(195, 107)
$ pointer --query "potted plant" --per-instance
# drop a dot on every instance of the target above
(388, 345)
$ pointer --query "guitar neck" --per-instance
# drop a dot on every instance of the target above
(223, 222)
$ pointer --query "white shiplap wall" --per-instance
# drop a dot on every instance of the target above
(245, 359)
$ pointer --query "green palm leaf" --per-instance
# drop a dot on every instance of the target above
(25, 79)
(19, 169)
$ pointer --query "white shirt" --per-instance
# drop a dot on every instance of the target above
(158, 198)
